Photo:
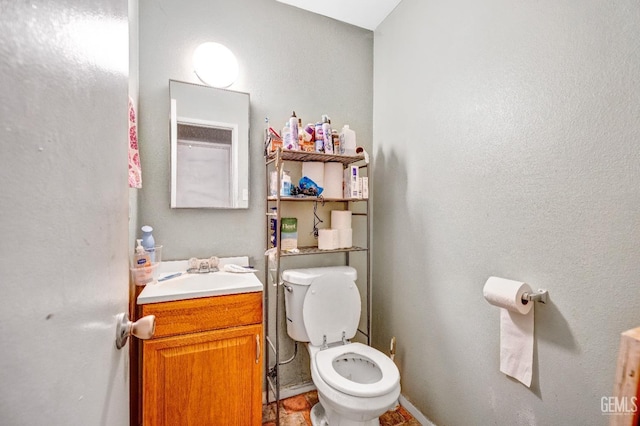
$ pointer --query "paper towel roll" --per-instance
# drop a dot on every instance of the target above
(341, 219)
(314, 170)
(516, 326)
(345, 238)
(328, 239)
(332, 180)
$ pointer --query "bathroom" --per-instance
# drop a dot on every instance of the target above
(503, 139)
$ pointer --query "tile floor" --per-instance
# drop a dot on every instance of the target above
(294, 411)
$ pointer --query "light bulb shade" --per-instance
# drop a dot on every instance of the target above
(215, 64)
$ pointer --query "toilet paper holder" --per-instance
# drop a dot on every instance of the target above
(538, 296)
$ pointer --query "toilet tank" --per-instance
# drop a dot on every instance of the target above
(296, 284)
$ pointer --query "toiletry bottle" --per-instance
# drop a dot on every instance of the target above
(285, 189)
(347, 141)
(286, 137)
(300, 134)
(293, 128)
(319, 138)
(335, 137)
(309, 138)
(267, 137)
(142, 260)
(326, 135)
(148, 242)
(273, 227)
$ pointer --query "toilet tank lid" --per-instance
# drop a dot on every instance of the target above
(307, 275)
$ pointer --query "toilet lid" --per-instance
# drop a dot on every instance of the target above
(331, 307)
(354, 353)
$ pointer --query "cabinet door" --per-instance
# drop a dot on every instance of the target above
(209, 378)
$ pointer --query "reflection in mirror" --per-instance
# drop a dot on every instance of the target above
(209, 147)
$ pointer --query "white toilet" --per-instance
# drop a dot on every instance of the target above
(356, 383)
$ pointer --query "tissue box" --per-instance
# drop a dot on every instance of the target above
(289, 233)
(351, 178)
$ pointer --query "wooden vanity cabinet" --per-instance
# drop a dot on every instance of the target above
(203, 366)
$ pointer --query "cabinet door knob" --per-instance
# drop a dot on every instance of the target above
(142, 329)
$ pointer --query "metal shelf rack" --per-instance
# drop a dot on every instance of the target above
(275, 161)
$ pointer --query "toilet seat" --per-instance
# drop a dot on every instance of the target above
(324, 363)
(331, 309)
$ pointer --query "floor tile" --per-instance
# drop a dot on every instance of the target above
(295, 411)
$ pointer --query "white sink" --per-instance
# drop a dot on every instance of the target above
(191, 286)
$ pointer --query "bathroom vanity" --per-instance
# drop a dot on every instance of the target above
(204, 363)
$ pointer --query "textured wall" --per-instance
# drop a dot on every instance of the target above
(289, 60)
(506, 142)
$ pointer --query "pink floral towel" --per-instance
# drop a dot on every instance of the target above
(135, 171)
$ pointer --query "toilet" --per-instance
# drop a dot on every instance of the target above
(356, 383)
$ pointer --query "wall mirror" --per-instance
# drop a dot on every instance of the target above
(209, 136)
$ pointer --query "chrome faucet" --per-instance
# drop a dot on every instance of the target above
(203, 266)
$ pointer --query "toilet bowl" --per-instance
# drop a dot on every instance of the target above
(356, 383)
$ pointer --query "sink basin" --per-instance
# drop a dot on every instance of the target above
(191, 286)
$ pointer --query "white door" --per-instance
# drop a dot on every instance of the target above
(63, 212)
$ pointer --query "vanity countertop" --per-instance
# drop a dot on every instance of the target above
(192, 286)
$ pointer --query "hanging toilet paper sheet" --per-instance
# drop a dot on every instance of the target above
(516, 326)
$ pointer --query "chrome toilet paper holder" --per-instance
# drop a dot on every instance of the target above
(537, 296)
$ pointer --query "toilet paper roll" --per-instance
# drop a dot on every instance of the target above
(341, 219)
(332, 180)
(516, 326)
(506, 294)
(345, 238)
(328, 239)
(314, 170)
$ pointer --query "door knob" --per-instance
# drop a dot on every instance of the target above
(142, 329)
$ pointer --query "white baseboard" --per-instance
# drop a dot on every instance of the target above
(414, 411)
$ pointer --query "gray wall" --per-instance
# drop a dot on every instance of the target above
(506, 143)
(289, 60)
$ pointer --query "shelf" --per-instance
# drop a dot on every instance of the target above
(315, 156)
(315, 250)
(320, 199)
(275, 161)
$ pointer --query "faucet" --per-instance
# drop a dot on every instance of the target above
(204, 266)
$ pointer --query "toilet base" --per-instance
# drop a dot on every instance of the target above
(319, 418)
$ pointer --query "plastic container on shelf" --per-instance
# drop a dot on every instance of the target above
(347, 141)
